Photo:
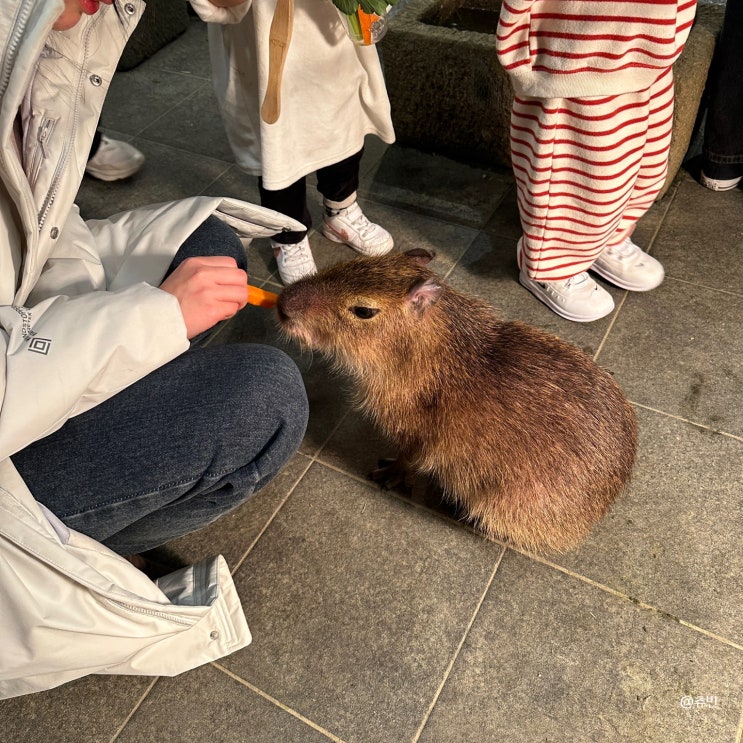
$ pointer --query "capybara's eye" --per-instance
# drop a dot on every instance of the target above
(364, 313)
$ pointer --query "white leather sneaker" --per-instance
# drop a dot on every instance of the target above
(628, 267)
(294, 260)
(578, 298)
(114, 160)
(351, 227)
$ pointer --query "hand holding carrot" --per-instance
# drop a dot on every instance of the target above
(209, 289)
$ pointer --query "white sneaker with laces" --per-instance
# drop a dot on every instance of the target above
(350, 226)
(294, 260)
(628, 267)
(114, 160)
(578, 298)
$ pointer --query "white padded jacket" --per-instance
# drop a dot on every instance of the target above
(80, 319)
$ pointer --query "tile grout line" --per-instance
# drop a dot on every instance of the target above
(704, 286)
(676, 187)
(634, 601)
(279, 704)
(312, 460)
(138, 704)
(413, 503)
(610, 327)
(566, 571)
(271, 518)
(733, 436)
(192, 94)
(458, 650)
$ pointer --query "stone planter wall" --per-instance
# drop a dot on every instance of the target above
(449, 94)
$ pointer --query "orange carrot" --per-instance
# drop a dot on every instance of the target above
(260, 297)
(366, 20)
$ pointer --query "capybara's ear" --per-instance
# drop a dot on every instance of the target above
(423, 294)
(421, 256)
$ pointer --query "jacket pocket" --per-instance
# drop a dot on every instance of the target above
(38, 150)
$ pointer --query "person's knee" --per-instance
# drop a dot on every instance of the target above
(287, 394)
(269, 398)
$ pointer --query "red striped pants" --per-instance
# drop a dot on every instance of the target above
(586, 170)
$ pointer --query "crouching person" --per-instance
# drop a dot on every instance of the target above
(118, 430)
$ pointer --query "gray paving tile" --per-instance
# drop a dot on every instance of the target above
(236, 184)
(646, 231)
(505, 221)
(411, 230)
(194, 124)
(702, 237)
(679, 349)
(134, 101)
(356, 446)
(167, 174)
(673, 539)
(187, 55)
(436, 186)
(374, 150)
(207, 704)
(88, 710)
(552, 658)
(357, 602)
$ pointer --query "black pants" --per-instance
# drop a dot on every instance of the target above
(723, 131)
(335, 182)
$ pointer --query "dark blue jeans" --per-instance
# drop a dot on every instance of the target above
(723, 130)
(183, 446)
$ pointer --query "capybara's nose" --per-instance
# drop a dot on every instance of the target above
(296, 299)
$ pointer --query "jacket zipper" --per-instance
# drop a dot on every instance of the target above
(54, 185)
(150, 613)
(40, 153)
(18, 29)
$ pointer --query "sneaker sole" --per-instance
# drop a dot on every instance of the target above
(113, 175)
(720, 185)
(543, 297)
(333, 236)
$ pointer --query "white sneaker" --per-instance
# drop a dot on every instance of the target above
(578, 298)
(351, 227)
(114, 160)
(719, 184)
(294, 260)
(628, 267)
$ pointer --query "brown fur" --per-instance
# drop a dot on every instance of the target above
(523, 430)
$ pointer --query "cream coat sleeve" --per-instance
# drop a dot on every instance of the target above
(95, 322)
(66, 354)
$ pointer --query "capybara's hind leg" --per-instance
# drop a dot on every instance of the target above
(393, 473)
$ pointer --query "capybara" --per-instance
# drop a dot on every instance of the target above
(522, 430)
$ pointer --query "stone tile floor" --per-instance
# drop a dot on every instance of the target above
(376, 619)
